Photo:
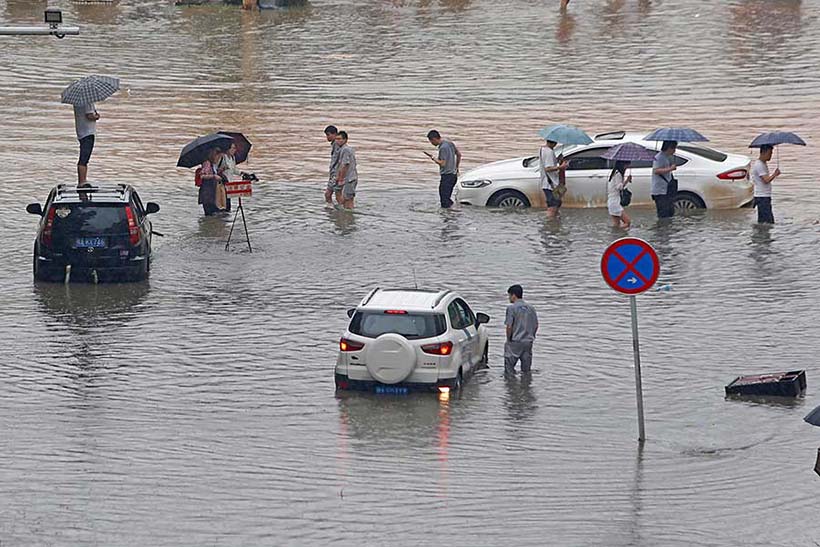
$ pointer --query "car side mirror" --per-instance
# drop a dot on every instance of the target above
(34, 209)
(482, 318)
(350, 312)
(151, 208)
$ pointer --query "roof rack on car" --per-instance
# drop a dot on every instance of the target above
(439, 298)
(369, 296)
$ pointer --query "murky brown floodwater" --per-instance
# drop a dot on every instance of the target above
(198, 408)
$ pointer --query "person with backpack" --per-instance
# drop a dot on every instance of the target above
(615, 199)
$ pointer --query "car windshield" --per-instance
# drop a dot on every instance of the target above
(412, 326)
(90, 219)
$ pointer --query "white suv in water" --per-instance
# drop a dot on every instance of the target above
(400, 339)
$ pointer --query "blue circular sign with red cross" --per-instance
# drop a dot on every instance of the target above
(630, 265)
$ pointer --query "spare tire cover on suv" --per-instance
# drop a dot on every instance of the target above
(390, 359)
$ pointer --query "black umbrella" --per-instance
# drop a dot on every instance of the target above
(243, 145)
(196, 151)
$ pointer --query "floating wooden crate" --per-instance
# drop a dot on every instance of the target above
(775, 384)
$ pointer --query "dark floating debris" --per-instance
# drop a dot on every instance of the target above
(776, 384)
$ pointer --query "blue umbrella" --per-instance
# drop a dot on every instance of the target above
(629, 151)
(775, 138)
(565, 134)
(679, 134)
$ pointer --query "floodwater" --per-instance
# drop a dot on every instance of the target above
(198, 408)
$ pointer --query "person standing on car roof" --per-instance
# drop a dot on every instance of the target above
(521, 323)
(330, 134)
(85, 123)
(449, 160)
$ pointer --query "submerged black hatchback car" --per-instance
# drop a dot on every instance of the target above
(93, 233)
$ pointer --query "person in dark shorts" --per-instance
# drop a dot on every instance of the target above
(85, 122)
(521, 323)
(449, 160)
(762, 180)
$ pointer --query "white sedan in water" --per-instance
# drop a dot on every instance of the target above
(707, 178)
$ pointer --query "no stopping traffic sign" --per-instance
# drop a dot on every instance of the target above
(630, 266)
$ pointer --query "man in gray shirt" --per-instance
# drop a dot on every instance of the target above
(522, 325)
(332, 188)
(449, 160)
(663, 193)
(85, 122)
(347, 178)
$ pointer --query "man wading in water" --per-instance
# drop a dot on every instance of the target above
(522, 325)
(449, 160)
(348, 177)
(763, 185)
(332, 188)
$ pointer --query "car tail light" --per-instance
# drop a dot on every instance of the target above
(445, 348)
(349, 345)
(47, 229)
(395, 312)
(734, 174)
(133, 229)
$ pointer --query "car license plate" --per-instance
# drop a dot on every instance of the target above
(392, 390)
(90, 242)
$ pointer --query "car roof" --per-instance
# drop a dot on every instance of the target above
(99, 193)
(405, 299)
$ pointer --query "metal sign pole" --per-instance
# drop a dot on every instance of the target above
(58, 31)
(636, 348)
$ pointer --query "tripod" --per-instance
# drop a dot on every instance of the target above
(239, 209)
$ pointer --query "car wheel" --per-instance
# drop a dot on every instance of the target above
(688, 203)
(509, 199)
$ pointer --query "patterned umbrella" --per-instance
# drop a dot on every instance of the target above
(243, 145)
(679, 134)
(775, 138)
(629, 151)
(565, 134)
(196, 151)
(91, 89)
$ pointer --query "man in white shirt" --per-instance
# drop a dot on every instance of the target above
(763, 185)
(549, 169)
(85, 121)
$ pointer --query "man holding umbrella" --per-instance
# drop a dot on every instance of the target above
(664, 187)
(82, 94)
(763, 184)
(548, 167)
(760, 170)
